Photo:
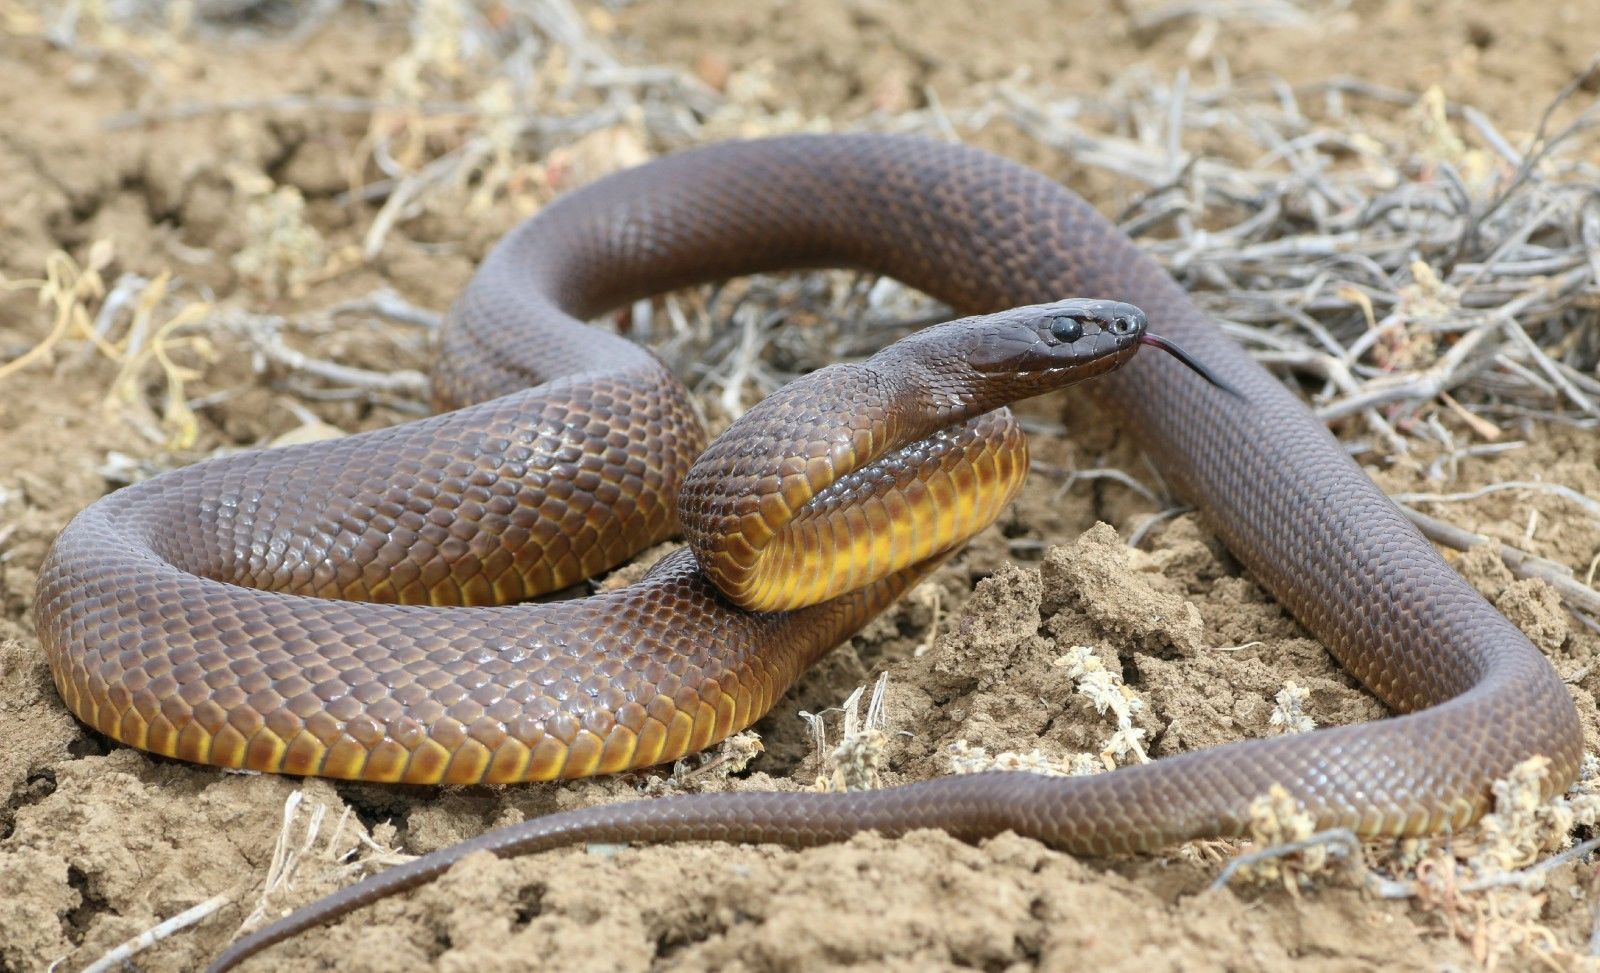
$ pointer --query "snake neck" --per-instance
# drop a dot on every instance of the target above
(848, 476)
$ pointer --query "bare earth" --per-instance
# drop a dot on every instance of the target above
(99, 842)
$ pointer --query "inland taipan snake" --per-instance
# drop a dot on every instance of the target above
(177, 615)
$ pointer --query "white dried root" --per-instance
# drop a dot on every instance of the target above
(730, 757)
(1502, 851)
(1107, 692)
(1523, 826)
(1289, 713)
(721, 762)
(1489, 890)
(1289, 849)
(971, 758)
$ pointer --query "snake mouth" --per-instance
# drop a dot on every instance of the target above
(1189, 361)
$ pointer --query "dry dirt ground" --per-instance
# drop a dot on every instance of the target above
(99, 842)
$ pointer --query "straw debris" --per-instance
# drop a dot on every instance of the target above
(282, 252)
(857, 762)
(305, 851)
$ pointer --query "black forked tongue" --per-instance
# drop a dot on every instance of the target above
(1159, 342)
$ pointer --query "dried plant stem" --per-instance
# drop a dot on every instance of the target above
(183, 920)
(1520, 562)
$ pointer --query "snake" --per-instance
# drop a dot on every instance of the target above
(353, 608)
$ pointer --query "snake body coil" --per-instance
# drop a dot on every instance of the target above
(173, 617)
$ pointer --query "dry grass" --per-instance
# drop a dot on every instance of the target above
(857, 761)
(302, 846)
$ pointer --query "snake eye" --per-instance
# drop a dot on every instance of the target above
(1066, 329)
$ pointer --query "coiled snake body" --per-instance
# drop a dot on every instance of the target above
(174, 613)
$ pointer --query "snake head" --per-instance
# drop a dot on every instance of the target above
(1052, 345)
(974, 364)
